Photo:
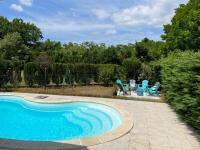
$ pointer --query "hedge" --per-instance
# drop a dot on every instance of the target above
(58, 73)
(108, 73)
(71, 73)
(30, 73)
(5, 72)
(86, 73)
(181, 85)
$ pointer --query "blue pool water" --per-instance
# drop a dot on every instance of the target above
(24, 120)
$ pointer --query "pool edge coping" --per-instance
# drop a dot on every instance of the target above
(123, 129)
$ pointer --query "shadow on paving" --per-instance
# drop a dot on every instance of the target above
(30, 145)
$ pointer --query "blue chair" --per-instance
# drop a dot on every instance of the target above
(144, 85)
(141, 88)
(122, 87)
(154, 90)
(132, 85)
(140, 91)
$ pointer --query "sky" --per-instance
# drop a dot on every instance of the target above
(101, 21)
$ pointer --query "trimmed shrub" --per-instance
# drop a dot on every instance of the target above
(44, 75)
(81, 73)
(108, 73)
(156, 71)
(31, 73)
(145, 72)
(85, 73)
(5, 72)
(16, 78)
(58, 73)
(69, 74)
(181, 85)
(131, 67)
(72, 73)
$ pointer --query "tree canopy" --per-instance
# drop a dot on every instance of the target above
(183, 32)
(29, 33)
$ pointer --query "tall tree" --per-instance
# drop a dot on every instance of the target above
(4, 26)
(184, 30)
(13, 48)
(30, 33)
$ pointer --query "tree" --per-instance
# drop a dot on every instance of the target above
(12, 47)
(131, 67)
(31, 73)
(30, 33)
(111, 56)
(4, 26)
(148, 50)
(5, 72)
(48, 46)
(58, 73)
(184, 30)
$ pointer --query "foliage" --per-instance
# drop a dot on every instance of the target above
(148, 50)
(31, 73)
(108, 73)
(29, 32)
(4, 27)
(145, 72)
(183, 33)
(69, 74)
(17, 67)
(48, 46)
(5, 71)
(181, 83)
(58, 72)
(12, 47)
(156, 71)
(131, 67)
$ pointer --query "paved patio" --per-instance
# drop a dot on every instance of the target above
(156, 127)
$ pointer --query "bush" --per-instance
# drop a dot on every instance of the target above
(156, 71)
(17, 67)
(181, 84)
(108, 73)
(58, 72)
(85, 73)
(145, 72)
(31, 73)
(80, 73)
(5, 72)
(44, 75)
(131, 67)
(69, 74)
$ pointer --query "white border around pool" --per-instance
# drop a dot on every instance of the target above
(124, 128)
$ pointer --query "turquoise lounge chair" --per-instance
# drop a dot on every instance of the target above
(144, 85)
(132, 85)
(154, 90)
(122, 87)
(141, 88)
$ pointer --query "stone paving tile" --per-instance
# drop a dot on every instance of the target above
(140, 138)
(155, 147)
(139, 146)
(118, 144)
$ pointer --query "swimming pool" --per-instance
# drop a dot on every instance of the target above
(24, 120)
